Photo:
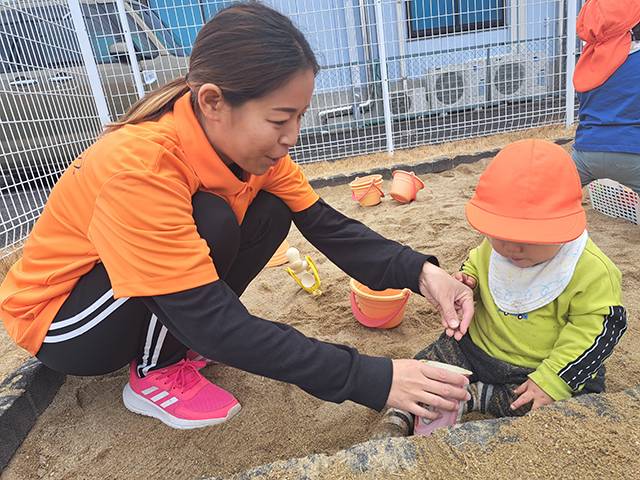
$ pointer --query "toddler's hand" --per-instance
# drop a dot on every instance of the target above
(468, 280)
(530, 392)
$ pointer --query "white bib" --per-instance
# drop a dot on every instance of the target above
(518, 290)
(635, 46)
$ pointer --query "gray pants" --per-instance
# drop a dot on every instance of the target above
(621, 167)
(493, 381)
(491, 384)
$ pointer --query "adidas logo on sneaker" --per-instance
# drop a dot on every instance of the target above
(179, 396)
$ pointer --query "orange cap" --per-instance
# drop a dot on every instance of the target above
(529, 193)
(605, 26)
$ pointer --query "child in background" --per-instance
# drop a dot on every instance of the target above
(548, 301)
(606, 80)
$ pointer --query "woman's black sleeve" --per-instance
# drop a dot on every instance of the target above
(360, 252)
(211, 320)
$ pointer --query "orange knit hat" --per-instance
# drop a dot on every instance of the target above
(529, 193)
(605, 26)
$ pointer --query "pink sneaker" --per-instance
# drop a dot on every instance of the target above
(179, 396)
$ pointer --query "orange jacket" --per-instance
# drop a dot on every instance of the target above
(126, 202)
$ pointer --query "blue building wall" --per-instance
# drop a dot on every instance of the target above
(337, 37)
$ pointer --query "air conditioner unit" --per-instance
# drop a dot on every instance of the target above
(458, 87)
(519, 76)
(410, 103)
(337, 109)
(327, 108)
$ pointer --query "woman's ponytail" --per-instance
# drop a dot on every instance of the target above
(153, 105)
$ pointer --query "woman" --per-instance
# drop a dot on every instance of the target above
(150, 237)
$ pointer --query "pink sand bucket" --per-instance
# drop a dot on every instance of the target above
(405, 186)
(367, 190)
(377, 309)
(424, 426)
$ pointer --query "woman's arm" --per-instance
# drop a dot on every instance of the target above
(360, 252)
(381, 263)
(211, 320)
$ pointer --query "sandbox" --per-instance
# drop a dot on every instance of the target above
(87, 433)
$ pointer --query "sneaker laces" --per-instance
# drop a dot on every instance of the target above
(184, 374)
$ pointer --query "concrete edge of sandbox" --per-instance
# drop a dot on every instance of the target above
(396, 457)
(24, 395)
(435, 165)
(27, 391)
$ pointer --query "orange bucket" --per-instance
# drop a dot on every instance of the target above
(405, 186)
(280, 256)
(378, 309)
(367, 190)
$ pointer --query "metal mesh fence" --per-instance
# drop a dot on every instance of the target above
(134, 50)
(396, 74)
(400, 74)
(47, 110)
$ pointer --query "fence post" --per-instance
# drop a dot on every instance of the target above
(382, 53)
(572, 14)
(89, 62)
(131, 50)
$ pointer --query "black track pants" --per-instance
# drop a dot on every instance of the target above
(94, 334)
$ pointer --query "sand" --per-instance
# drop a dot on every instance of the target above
(88, 434)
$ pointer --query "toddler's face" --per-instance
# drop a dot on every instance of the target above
(524, 255)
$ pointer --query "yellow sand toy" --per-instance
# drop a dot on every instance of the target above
(304, 272)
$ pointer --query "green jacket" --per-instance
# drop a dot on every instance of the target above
(567, 340)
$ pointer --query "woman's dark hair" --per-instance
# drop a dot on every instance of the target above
(247, 49)
(635, 32)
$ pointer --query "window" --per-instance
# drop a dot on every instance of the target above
(429, 18)
(185, 17)
(164, 33)
(45, 37)
(38, 38)
(104, 29)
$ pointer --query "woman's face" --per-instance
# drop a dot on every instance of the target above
(524, 255)
(258, 133)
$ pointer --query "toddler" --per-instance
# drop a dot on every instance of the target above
(548, 301)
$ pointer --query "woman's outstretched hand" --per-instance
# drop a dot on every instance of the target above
(453, 299)
(416, 384)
